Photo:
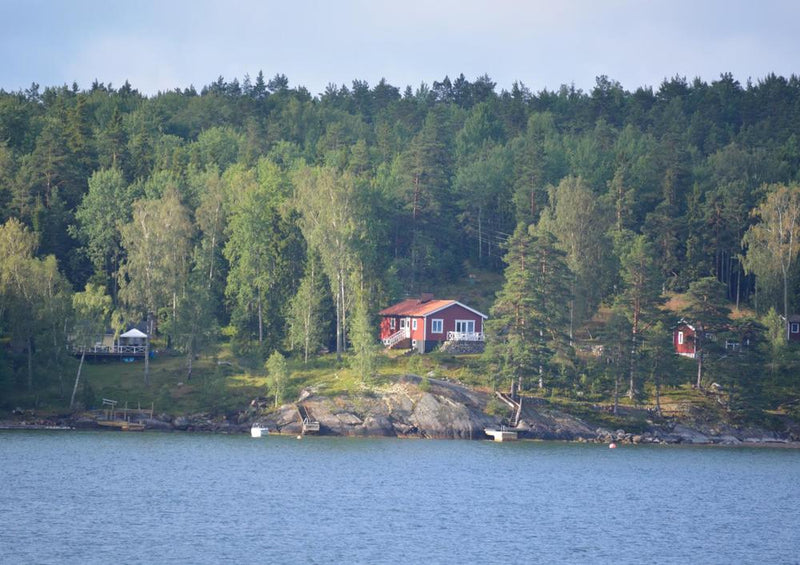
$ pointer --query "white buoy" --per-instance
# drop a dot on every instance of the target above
(612, 445)
(299, 437)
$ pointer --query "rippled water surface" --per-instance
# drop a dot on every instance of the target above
(70, 497)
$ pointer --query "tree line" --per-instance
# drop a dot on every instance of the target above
(282, 220)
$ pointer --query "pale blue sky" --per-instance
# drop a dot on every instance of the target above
(164, 44)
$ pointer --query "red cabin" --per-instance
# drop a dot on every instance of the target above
(683, 340)
(793, 328)
(423, 323)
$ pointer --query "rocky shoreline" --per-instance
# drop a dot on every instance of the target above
(428, 408)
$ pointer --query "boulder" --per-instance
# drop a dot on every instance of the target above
(180, 423)
(688, 435)
(154, 424)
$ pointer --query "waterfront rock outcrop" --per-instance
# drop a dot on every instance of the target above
(425, 407)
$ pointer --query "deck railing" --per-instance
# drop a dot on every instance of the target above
(404, 333)
(465, 336)
(107, 349)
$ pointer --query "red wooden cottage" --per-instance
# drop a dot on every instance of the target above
(683, 340)
(423, 323)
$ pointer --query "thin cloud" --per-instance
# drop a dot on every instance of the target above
(167, 45)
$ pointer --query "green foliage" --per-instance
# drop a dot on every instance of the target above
(495, 407)
(208, 208)
(306, 317)
(529, 318)
(774, 241)
(425, 384)
(263, 250)
(362, 337)
(88, 396)
(104, 209)
(278, 374)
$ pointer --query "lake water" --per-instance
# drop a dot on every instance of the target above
(82, 497)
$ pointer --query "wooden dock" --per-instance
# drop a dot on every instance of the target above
(113, 420)
(122, 425)
(502, 434)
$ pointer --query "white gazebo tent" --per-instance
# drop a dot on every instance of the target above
(133, 337)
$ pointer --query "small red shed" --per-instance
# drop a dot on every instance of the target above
(423, 323)
(683, 340)
(793, 328)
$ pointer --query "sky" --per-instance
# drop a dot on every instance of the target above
(161, 45)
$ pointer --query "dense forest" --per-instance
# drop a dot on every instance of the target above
(258, 214)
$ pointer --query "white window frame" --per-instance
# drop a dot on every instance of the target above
(680, 338)
(403, 323)
(437, 322)
(391, 323)
(794, 327)
(414, 324)
(465, 330)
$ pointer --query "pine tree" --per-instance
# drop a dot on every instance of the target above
(641, 294)
(528, 320)
(707, 311)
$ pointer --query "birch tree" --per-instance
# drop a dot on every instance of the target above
(263, 250)
(326, 200)
(306, 317)
(773, 242)
(91, 308)
(580, 222)
(157, 243)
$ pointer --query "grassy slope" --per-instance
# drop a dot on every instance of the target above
(224, 384)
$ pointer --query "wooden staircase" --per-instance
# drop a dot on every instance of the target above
(309, 425)
(397, 338)
(515, 406)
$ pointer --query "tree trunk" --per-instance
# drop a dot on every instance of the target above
(571, 315)
(738, 285)
(343, 290)
(30, 363)
(260, 320)
(339, 308)
(658, 393)
(147, 349)
(616, 392)
(785, 295)
(480, 237)
(699, 353)
(77, 379)
(634, 332)
(189, 359)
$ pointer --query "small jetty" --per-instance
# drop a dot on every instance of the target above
(122, 425)
(502, 434)
(506, 433)
(121, 419)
